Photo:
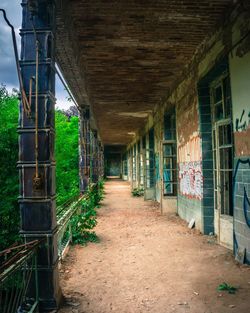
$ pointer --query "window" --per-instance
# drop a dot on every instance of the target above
(134, 162)
(221, 99)
(169, 155)
(140, 164)
(150, 168)
(222, 145)
(125, 164)
(170, 126)
(129, 164)
(144, 142)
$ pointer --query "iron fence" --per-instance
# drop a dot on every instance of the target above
(18, 263)
(64, 214)
(18, 268)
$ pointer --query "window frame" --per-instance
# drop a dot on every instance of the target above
(172, 142)
(225, 205)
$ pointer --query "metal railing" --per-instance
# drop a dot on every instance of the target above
(18, 263)
(18, 268)
(64, 214)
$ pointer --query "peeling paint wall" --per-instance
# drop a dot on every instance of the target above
(188, 151)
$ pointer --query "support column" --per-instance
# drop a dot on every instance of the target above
(83, 150)
(100, 161)
(36, 146)
(95, 157)
(88, 144)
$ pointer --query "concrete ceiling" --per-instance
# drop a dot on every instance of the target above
(121, 57)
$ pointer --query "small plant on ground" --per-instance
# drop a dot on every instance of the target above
(137, 192)
(225, 287)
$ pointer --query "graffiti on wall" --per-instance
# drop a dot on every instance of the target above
(242, 232)
(190, 170)
(242, 123)
(191, 179)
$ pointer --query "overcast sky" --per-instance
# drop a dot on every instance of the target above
(8, 74)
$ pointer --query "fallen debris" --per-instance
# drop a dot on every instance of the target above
(191, 223)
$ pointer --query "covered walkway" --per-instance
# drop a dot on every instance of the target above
(162, 89)
(148, 262)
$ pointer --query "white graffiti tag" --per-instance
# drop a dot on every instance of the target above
(191, 179)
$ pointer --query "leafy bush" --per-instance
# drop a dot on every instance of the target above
(137, 192)
(9, 209)
(85, 220)
(98, 192)
(81, 224)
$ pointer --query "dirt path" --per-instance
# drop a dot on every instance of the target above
(146, 262)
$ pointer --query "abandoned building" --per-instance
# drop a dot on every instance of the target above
(163, 91)
(177, 124)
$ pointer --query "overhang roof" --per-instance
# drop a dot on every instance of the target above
(123, 56)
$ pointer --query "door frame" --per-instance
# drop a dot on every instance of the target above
(223, 222)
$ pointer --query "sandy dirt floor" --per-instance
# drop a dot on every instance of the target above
(146, 262)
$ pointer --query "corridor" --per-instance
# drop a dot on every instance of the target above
(148, 262)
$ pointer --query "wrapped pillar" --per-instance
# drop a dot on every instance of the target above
(36, 145)
(100, 165)
(88, 145)
(95, 157)
(83, 150)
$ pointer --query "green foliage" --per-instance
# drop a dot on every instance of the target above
(225, 287)
(98, 192)
(9, 209)
(82, 223)
(66, 152)
(85, 220)
(137, 192)
(67, 178)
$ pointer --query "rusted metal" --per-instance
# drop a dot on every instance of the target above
(19, 278)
